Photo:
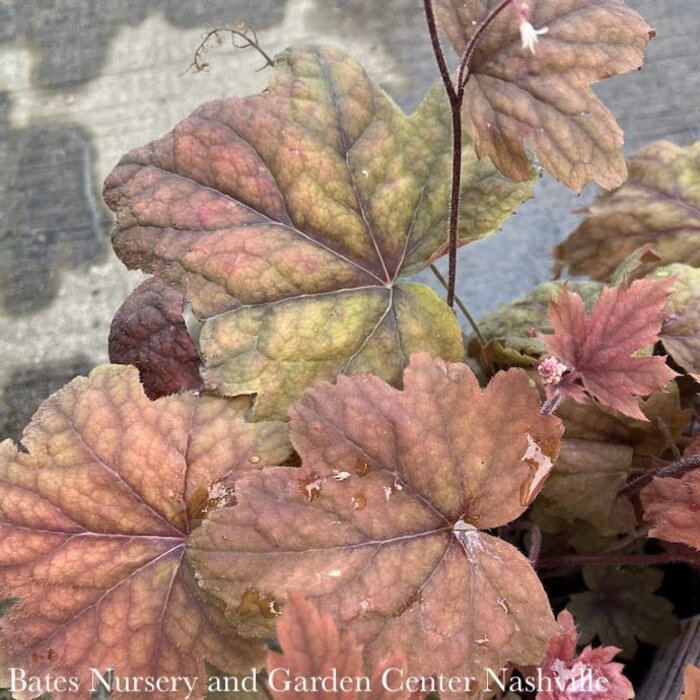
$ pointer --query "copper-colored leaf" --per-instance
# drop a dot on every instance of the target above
(691, 683)
(571, 677)
(598, 349)
(294, 217)
(313, 648)
(149, 331)
(672, 506)
(543, 96)
(94, 523)
(381, 525)
(659, 204)
(680, 333)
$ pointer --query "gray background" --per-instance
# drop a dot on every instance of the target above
(83, 81)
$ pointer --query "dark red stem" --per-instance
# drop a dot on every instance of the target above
(616, 559)
(455, 94)
(686, 464)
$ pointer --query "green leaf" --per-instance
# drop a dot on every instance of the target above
(293, 217)
(598, 452)
(584, 485)
(620, 607)
(665, 423)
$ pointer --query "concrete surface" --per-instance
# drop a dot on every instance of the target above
(83, 81)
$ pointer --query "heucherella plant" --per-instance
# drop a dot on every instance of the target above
(332, 434)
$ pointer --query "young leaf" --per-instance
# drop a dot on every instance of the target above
(691, 683)
(381, 525)
(597, 349)
(671, 506)
(513, 329)
(571, 676)
(294, 215)
(680, 333)
(94, 523)
(544, 96)
(659, 204)
(148, 331)
(620, 606)
(312, 647)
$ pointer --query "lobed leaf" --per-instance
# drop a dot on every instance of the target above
(312, 647)
(585, 483)
(149, 331)
(660, 431)
(599, 451)
(659, 204)
(94, 523)
(513, 330)
(293, 216)
(620, 608)
(680, 333)
(598, 349)
(544, 96)
(383, 518)
(671, 507)
(600, 447)
(563, 668)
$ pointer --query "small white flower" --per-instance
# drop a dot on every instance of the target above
(529, 34)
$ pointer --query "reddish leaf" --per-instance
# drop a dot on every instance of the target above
(312, 648)
(94, 523)
(381, 524)
(148, 331)
(295, 217)
(598, 349)
(659, 204)
(672, 506)
(691, 683)
(544, 95)
(591, 674)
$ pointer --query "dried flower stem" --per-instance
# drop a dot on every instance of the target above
(455, 94)
(243, 32)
